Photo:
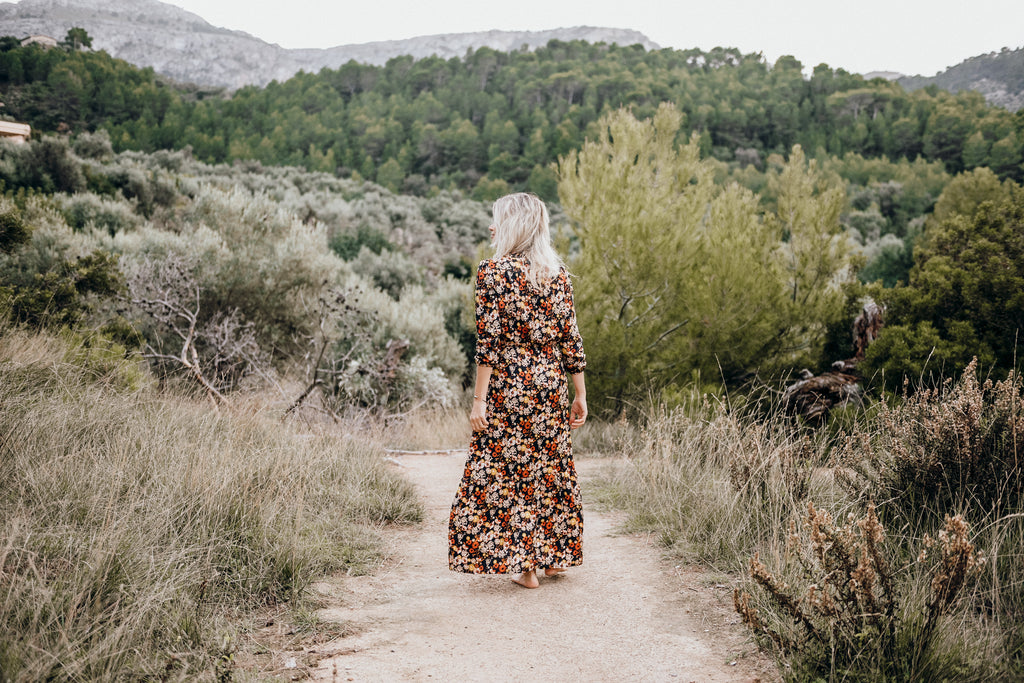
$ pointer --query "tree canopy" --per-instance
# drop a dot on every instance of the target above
(964, 299)
(679, 277)
(489, 116)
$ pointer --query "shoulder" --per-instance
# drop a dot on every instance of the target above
(491, 271)
(501, 265)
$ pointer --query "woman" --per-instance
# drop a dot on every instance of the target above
(518, 507)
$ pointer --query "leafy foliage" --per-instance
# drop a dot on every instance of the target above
(965, 298)
(47, 281)
(678, 277)
(225, 266)
(13, 231)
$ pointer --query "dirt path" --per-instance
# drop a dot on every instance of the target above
(624, 615)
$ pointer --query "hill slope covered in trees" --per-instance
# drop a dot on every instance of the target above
(999, 76)
(495, 120)
(183, 46)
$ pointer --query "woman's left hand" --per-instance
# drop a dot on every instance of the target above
(578, 412)
(478, 415)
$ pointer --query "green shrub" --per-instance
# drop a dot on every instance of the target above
(386, 353)
(47, 165)
(84, 210)
(888, 260)
(245, 255)
(46, 284)
(93, 145)
(389, 271)
(13, 231)
(963, 299)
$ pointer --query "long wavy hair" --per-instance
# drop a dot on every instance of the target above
(522, 228)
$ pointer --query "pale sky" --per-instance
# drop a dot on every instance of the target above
(908, 36)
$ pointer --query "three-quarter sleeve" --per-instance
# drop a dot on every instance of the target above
(488, 321)
(574, 360)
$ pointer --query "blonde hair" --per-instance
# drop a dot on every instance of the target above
(522, 228)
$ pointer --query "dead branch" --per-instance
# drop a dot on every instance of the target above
(160, 289)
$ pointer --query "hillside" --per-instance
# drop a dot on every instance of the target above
(185, 47)
(999, 76)
(493, 120)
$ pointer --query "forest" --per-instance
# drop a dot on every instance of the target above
(493, 120)
(297, 261)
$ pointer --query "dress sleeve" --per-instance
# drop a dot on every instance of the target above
(488, 322)
(574, 360)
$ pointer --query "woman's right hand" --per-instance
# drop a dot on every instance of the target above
(578, 412)
(478, 415)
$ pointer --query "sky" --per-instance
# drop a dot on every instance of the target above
(907, 36)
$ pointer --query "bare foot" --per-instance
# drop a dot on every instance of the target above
(527, 579)
(554, 571)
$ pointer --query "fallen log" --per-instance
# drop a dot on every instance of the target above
(813, 396)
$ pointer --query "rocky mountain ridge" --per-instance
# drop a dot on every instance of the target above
(186, 48)
(999, 76)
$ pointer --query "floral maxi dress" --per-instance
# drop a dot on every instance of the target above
(518, 506)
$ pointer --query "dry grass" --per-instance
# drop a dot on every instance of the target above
(445, 429)
(426, 430)
(715, 486)
(840, 592)
(599, 438)
(138, 527)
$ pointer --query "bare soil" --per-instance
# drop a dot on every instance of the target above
(626, 614)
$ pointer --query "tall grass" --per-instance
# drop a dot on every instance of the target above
(754, 493)
(715, 485)
(427, 429)
(134, 524)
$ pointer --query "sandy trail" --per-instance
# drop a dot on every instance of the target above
(624, 615)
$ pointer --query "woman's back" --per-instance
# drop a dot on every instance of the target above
(524, 326)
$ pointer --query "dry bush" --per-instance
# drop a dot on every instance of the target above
(960, 444)
(720, 488)
(847, 618)
(948, 449)
(137, 527)
(218, 351)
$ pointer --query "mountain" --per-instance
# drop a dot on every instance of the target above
(183, 46)
(887, 75)
(999, 76)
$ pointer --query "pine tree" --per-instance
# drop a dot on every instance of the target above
(678, 278)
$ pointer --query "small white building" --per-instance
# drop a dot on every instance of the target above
(15, 132)
(43, 41)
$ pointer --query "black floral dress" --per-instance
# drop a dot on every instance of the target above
(518, 506)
